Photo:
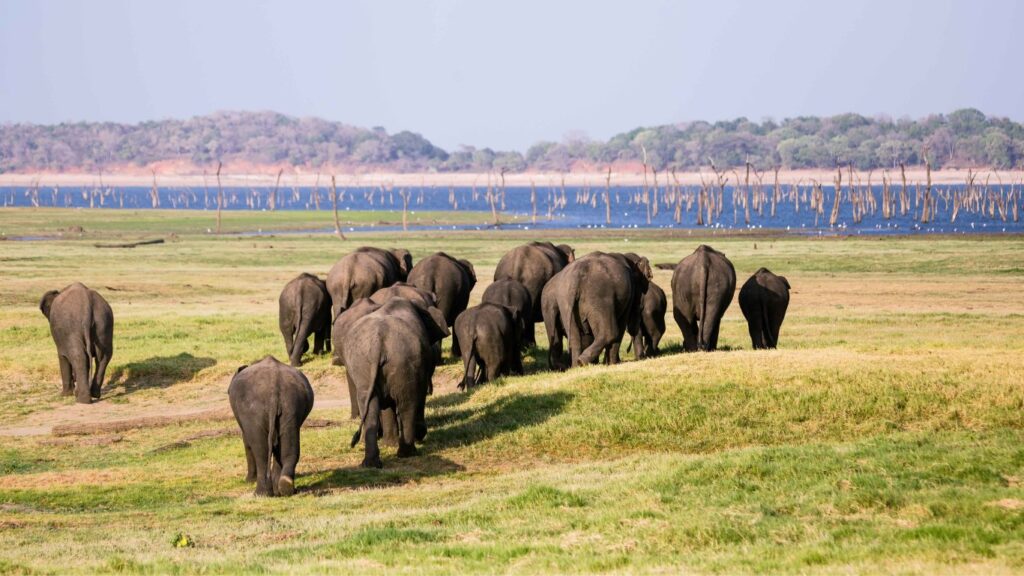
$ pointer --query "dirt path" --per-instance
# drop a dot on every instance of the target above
(104, 417)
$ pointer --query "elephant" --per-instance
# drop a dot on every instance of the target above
(647, 331)
(363, 272)
(422, 297)
(389, 361)
(596, 298)
(491, 335)
(270, 401)
(764, 299)
(702, 287)
(532, 265)
(82, 326)
(451, 280)
(342, 324)
(514, 295)
(304, 309)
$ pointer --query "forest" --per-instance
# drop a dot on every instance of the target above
(961, 139)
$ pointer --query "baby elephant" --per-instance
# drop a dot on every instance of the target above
(82, 326)
(491, 335)
(270, 401)
(304, 309)
(763, 300)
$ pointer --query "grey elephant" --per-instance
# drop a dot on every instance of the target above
(532, 265)
(597, 297)
(389, 361)
(764, 298)
(82, 326)
(363, 272)
(270, 401)
(451, 280)
(646, 333)
(304, 310)
(648, 327)
(491, 337)
(703, 284)
(512, 294)
(342, 324)
(402, 290)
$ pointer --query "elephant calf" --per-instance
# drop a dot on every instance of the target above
(82, 326)
(491, 335)
(270, 401)
(647, 331)
(764, 299)
(304, 309)
(515, 296)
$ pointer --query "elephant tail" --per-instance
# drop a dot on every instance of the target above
(469, 351)
(374, 375)
(272, 433)
(702, 339)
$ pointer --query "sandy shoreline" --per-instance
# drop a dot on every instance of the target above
(596, 179)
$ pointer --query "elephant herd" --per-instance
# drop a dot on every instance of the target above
(386, 318)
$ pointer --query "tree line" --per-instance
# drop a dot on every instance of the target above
(964, 138)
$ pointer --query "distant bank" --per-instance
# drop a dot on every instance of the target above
(630, 177)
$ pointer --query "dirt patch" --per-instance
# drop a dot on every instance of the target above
(1008, 504)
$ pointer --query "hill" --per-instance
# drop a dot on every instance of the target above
(964, 138)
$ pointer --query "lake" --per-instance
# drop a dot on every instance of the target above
(801, 210)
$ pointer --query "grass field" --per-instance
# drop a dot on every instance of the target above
(886, 434)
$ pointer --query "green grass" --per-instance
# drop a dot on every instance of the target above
(60, 222)
(885, 435)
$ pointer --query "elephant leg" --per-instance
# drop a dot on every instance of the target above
(101, 372)
(289, 340)
(257, 443)
(688, 330)
(407, 439)
(493, 370)
(756, 333)
(250, 462)
(529, 334)
(469, 365)
(289, 450)
(389, 426)
(456, 349)
(371, 431)
(318, 343)
(67, 376)
(612, 353)
(83, 384)
(353, 401)
(275, 469)
(602, 331)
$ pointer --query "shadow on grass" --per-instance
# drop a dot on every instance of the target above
(395, 473)
(157, 372)
(452, 426)
(449, 426)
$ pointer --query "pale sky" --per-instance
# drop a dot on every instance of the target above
(508, 74)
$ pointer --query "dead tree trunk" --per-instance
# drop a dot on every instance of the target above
(334, 201)
(608, 197)
(220, 196)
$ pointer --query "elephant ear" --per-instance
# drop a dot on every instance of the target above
(644, 265)
(404, 260)
(786, 282)
(570, 254)
(436, 325)
(469, 268)
(47, 302)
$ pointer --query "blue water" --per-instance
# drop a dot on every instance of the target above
(575, 212)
